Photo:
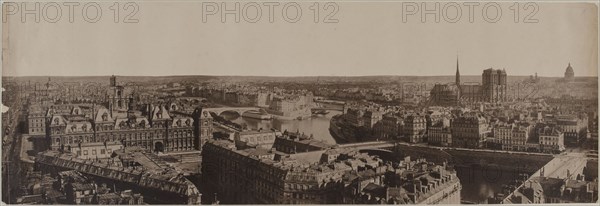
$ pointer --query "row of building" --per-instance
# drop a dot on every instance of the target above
(134, 169)
(300, 170)
(72, 187)
(508, 129)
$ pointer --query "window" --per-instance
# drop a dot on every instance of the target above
(102, 151)
(93, 152)
(85, 152)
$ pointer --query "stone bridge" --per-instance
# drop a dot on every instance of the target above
(196, 100)
(328, 105)
(239, 110)
(374, 145)
(378, 148)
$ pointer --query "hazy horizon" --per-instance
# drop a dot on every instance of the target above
(190, 75)
(356, 76)
(370, 39)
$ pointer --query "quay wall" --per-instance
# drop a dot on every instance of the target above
(501, 160)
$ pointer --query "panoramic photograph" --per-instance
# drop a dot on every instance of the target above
(307, 102)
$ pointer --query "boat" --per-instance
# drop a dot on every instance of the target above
(320, 112)
(257, 115)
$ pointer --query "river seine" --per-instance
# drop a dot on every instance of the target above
(317, 125)
(476, 188)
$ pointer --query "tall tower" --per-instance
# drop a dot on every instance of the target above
(457, 81)
(203, 130)
(113, 81)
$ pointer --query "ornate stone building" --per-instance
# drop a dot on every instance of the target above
(439, 134)
(513, 136)
(159, 132)
(492, 89)
(157, 129)
(414, 128)
(494, 85)
(469, 130)
(118, 96)
(551, 139)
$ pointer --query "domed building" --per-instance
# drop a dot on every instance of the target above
(569, 74)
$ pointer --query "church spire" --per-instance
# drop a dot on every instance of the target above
(457, 73)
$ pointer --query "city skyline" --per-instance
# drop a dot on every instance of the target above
(300, 102)
(191, 142)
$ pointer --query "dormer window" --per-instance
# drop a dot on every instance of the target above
(105, 117)
(188, 122)
(55, 120)
(179, 122)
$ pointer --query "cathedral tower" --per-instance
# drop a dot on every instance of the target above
(457, 81)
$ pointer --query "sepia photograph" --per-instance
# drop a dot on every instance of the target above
(308, 102)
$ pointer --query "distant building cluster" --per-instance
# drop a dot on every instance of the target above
(487, 120)
(518, 127)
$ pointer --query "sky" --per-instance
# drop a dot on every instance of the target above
(370, 38)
